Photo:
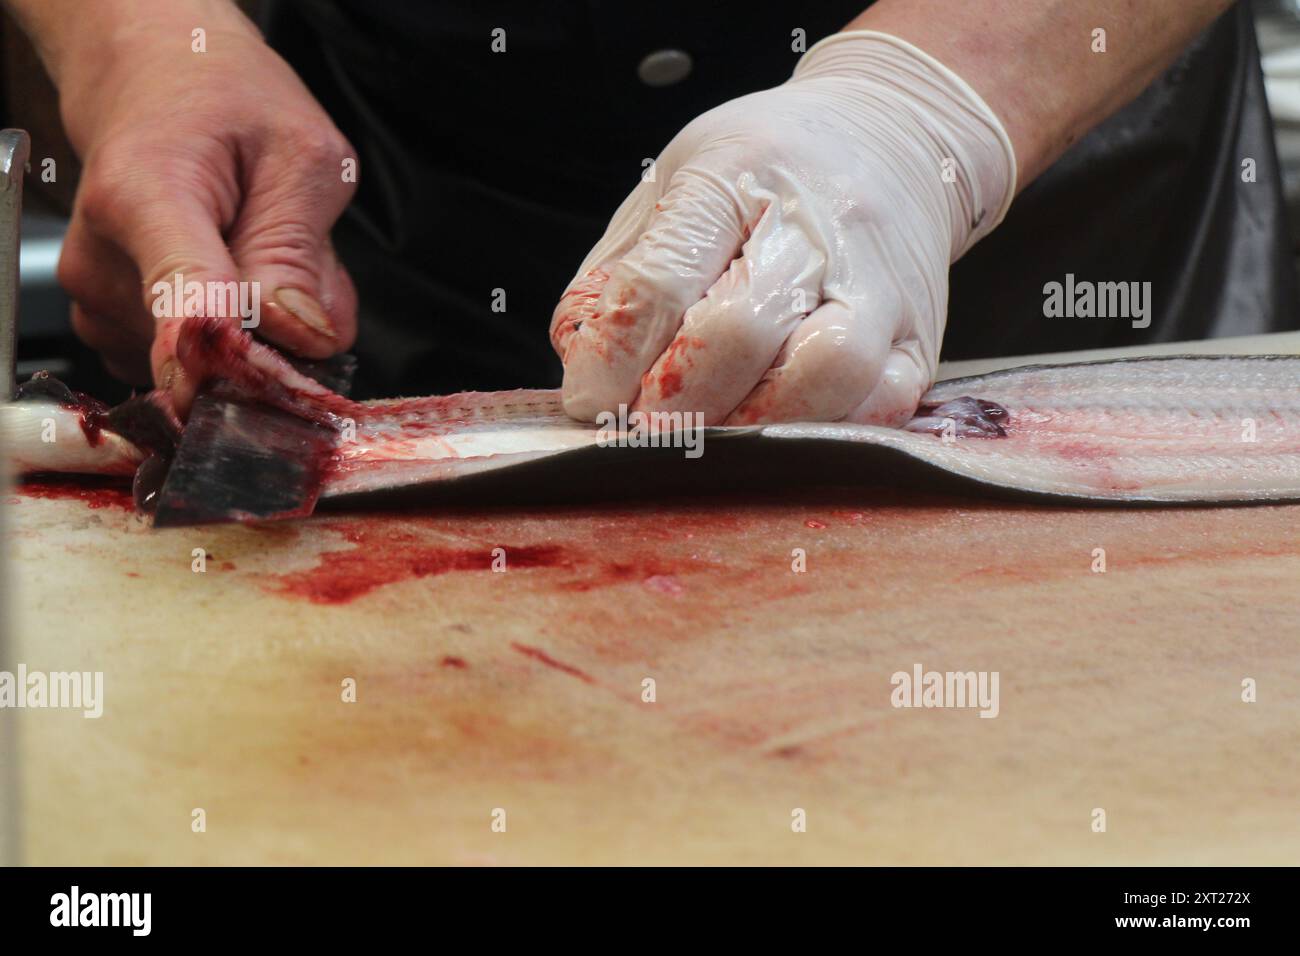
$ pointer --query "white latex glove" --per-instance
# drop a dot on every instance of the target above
(790, 259)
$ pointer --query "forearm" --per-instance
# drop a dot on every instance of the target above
(73, 34)
(1033, 61)
(83, 43)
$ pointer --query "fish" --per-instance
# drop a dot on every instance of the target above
(49, 428)
(1158, 431)
(1167, 430)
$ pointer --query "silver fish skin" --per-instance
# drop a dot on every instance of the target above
(1182, 429)
(1197, 429)
(1168, 430)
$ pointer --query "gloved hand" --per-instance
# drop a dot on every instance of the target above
(789, 260)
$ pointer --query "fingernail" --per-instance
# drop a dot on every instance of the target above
(306, 310)
(167, 375)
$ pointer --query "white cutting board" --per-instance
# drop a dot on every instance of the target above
(522, 691)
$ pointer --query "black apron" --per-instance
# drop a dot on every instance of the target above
(485, 171)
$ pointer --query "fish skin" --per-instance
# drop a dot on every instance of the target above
(1171, 429)
(211, 348)
(1166, 430)
(1160, 430)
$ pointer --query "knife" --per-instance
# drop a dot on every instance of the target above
(241, 460)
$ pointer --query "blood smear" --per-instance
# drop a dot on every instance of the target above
(386, 555)
(94, 491)
(537, 654)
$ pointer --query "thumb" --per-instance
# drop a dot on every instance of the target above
(180, 254)
(281, 242)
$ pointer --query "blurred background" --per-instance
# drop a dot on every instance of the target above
(30, 102)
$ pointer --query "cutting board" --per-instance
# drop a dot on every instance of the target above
(660, 683)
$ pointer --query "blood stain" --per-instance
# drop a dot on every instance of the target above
(95, 492)
(456, 662)
(622, 572)
(537, 654)
(385, 555)
(670, 374)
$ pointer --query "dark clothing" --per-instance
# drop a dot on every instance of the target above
(484, 171)
(1155, 193)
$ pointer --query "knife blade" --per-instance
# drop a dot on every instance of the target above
(242, 460)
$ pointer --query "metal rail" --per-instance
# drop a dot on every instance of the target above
(15, 149)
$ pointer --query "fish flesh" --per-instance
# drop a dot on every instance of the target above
(1167, 430)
